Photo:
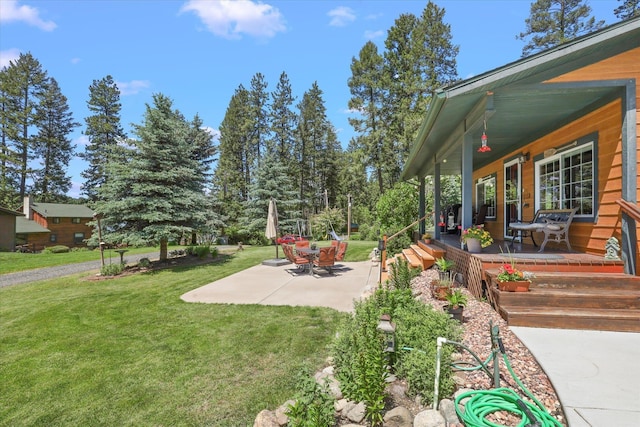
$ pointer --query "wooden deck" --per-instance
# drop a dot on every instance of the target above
(571, 290)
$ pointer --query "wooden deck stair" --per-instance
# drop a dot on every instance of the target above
(420, 255)
(577, 300)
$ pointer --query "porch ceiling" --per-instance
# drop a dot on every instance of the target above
(519, 106)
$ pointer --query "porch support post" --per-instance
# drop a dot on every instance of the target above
(629, 175)
(436, 199)
(421, 206)
(467, 180)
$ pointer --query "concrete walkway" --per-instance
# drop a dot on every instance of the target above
(285, 285)
(596, 374)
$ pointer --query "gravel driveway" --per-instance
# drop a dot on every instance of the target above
(66, 270)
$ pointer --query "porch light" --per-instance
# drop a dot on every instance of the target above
(484, 147)
(389, 330)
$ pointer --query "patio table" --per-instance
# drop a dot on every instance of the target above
(310, 254)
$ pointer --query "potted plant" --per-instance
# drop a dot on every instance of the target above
(476, 238)
(510, 279)
(457, 300)
(427, 238)
(441, 288)
(444, 266)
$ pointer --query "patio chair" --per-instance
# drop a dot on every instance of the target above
(302, 243)
(300, 262)
(341, 250)
(326, 259)
(481, 215)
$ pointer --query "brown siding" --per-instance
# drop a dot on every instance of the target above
(7, 232)
(606, 121)
(64, 232)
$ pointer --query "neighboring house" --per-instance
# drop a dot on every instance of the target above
(562, 127)
(50, 224)
(8, 229)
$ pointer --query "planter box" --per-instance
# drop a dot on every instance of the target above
(514, 286)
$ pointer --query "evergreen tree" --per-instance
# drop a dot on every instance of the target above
(553, 22)
(271, 181)
(52, 146)
(259, 128)
(282, 121)
(230, 183)
(9, 160)
(103, 130)
(628, 9)
(152, 197)
(23, 82)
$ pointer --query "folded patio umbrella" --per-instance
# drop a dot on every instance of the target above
(272, 223)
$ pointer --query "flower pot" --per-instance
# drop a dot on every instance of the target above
(514, 286)
(455, 313)
(473, 245)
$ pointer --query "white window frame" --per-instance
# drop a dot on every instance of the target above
(482, 182)
(559, 158)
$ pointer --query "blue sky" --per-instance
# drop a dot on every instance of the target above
(199, 52)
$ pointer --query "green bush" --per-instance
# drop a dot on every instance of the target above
(313, 404)
(402, 274)
(81, 249)
(58, 249)
(144, 262)
(112, 269)
(200, 251)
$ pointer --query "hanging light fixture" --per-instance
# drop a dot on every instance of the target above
(484, 148)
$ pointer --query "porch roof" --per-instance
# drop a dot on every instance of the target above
(516, 103)
(28, 226)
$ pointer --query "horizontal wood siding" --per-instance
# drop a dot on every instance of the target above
(606, 121)
(64, 232)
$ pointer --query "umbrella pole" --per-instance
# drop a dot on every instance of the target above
(276, 243)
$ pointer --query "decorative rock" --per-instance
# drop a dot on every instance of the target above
(397, 391)
(398, 417)
(429, 418)
(447, 408)
(266, 419)
(340, 404)
(355, 412)
(459, 392)
(281, 412)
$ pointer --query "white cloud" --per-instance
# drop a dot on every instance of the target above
(81, 141)
(231, 19)
(372, 35)
(341, 16)
(75, 60)
(7, 56)
(215, 133)
(11, 11)
(133, 87)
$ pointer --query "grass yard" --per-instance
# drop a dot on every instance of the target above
(128, 351)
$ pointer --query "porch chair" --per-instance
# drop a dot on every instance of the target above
(300, 262)
(302, 243)
(481, 215)
(326, 258)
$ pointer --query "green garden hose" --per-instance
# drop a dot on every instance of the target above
(485, 402)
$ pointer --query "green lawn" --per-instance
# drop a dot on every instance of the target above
(128, 351)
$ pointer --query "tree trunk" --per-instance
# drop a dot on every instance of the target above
(163, 250)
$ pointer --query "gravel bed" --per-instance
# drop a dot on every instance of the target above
(476, 324)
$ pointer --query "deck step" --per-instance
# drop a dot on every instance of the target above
(572, 298)
(426, 258)
(413, 259)
(434, 250)
(584, 280)
(575, 318)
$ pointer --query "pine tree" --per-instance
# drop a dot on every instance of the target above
(282, 121)
(52, 146)
(553, 22)
(153, 197)
(103, 130)
(628, 9)
(9, 161)
(258, 116)
(23, 82)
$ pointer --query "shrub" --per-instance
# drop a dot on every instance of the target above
(214, 252)
(364, 231)
(58, 249)
(144, 262)
(81, 249)
(401, 274)
(112, 269)
(314, 403)
(199, 251)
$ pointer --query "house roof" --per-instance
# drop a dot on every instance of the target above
(62, 210)
(516, 103)
(6, 211)
(27, 226)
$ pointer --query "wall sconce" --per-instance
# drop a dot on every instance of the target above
(524, 158)
(389, 330)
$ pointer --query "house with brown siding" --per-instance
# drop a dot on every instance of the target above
(562, 127)
(8, 229)
(50, 224)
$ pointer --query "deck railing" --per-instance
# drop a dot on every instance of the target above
(632, 210)
(385, 240)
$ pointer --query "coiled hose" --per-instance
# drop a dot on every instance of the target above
(482, 403)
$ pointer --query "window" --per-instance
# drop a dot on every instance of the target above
(486, 194)
(75, 220)
(566, 180)
(78, 238)
(55, 220)
(53, 237)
